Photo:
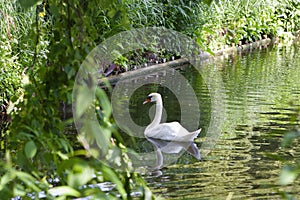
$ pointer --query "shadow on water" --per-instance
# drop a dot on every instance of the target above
(262, 96)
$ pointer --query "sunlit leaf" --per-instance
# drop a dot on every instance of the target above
(62, 156)
(28, 180)
(5, 179)
(30, 149)
(112, 176)
(64, 190)
(81, 174)
(19, 190)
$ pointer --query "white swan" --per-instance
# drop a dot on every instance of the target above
(172, 131)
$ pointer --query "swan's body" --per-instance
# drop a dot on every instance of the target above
(172, 131)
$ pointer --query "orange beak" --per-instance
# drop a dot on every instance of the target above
(147, 101)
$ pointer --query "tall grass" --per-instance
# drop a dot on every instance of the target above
(183, 16)
(15, 21)
(239, 22)
(223, 23)
(15, 25)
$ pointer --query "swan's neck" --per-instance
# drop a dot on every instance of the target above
(158, 113)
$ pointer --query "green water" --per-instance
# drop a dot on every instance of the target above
(247, 103)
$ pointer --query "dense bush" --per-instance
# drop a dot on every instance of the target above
(39, 158)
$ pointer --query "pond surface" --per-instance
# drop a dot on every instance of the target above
(246, 103)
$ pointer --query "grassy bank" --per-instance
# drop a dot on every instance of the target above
(231, 23)
(42, 46)
(214, 26)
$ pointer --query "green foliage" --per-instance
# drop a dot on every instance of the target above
(58, 37)
(10, 73)
(219, 23)
(122, 61)
(12, 78)
(10, 66)
(240, 22)
(183, 16)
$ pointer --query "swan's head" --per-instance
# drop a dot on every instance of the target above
(153, 97)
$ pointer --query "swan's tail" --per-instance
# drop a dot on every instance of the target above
(196, 133)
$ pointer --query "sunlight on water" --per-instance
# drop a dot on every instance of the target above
(262, 95)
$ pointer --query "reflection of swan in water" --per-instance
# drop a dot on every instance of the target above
(172, 131)
(172, 147)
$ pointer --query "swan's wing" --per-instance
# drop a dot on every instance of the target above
(180, 133)
(171, 131)
(162, 131)
(173, 127)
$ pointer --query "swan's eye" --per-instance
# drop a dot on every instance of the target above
(149, 98)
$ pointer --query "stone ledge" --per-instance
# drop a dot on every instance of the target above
(183, 61)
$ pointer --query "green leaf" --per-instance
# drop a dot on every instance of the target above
(83, 100)
(19, 190)
(64, 190)
(208, 2)
(28, 180)
(112, 176)
(78, 172)
(99, 134)
(30, 149)
(29, 3)
(104, 102)
(80, 175)
(62, 156)
(70, 71)
(66, 146)
(6, 178)
(112, 12)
